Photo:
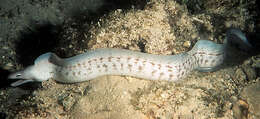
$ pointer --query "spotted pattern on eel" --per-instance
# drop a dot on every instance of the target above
(204, 56)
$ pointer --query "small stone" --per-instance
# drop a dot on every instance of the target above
(250, 72)
(240, 74)
(187, 44)
(228, 24)
(66, 100)
(257, 65)
(240, 109)
(251, 94)
(8, 66)
(195, 35)
(164, 95)
(5, 48)
(248, 62)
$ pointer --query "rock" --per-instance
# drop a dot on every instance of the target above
(251, 94)
(67, 101)
(250, 72)
(187, 44)
(240, 109)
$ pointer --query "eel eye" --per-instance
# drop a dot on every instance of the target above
(18, 75)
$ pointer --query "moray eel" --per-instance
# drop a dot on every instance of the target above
(205, 56)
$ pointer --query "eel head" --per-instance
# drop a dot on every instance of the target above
(42, 69)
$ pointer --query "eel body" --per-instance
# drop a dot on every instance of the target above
(204, 56)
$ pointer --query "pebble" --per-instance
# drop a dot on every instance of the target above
(251, 94)
(8, 66)
(66, 100)
(240, 109)
(5, 48)
(250, 72)
(187, 44)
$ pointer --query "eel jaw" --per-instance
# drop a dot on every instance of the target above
(20, 82)
(24, 76)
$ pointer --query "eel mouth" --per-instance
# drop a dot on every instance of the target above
(20, 82)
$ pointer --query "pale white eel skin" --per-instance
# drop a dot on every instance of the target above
(204, 56)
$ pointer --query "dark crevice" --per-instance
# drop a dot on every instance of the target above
(36, 41)
(3, 115)
(41, 37)
(141, 45)
(4, 81)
